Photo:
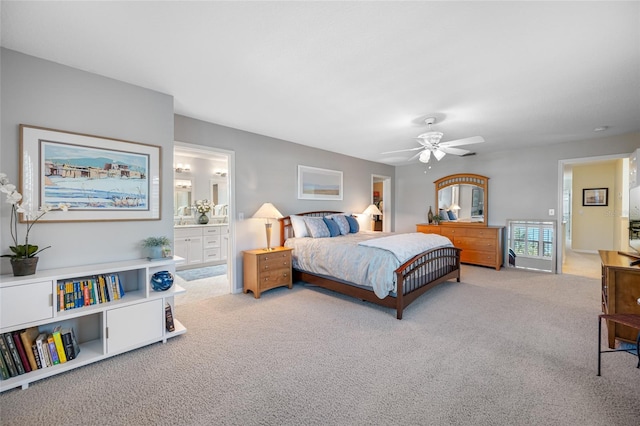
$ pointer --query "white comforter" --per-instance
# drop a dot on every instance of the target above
(365, 258)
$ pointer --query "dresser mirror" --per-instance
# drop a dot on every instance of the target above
(462, 199)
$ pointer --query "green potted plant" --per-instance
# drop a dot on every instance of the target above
(156, 247)
(436, 219)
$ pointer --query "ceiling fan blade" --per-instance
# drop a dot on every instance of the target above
(415, 156)
(464, 141)
(403, 150)
(454, 151)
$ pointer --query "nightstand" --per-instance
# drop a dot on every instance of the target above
(264, 270)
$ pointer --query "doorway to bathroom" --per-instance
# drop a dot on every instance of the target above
(203, 220)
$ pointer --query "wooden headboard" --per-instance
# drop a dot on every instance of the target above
(286, 230)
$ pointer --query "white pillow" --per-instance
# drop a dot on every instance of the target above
(317, 227)
(299, 227)
(343, 223)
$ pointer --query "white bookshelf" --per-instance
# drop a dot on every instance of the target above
(103, 330)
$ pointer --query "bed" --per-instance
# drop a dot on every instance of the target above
(405, 282)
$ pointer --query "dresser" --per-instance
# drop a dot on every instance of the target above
(481, 245)
(264, 270)
(620, 293)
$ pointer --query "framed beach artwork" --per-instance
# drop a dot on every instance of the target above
(595, 196)
(319, 184)
(101, 179)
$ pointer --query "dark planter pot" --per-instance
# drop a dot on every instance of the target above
(23, 267)
(203, 219)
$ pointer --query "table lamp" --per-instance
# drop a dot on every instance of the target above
(372, 210)
(267, 211)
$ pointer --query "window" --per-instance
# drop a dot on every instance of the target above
(532, 244)
(532, 239)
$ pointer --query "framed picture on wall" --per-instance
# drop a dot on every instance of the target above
(319, 184)
(595, 196)
(101, 179)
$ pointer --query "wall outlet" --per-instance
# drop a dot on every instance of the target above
(240, 216)
(552, 212)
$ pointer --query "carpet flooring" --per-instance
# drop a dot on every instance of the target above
(505, 347)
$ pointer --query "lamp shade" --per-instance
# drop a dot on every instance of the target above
(454, 206)
(372, 210)
(267, 211)
(425, 156)
(438, 154)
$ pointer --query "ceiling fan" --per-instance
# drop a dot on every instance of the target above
(430, 142)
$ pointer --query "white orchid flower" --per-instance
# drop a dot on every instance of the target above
(14, 197)
(7, 188)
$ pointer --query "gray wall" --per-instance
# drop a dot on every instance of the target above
(266, 171)
(43, 93)
(523, 183)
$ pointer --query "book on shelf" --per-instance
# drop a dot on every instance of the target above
(61, 301)
(8, 358)
(28, 338)
(8, 338)
(71, 347)
(119, 286)
(21, 351)
(43, 350)
(103, 296)
(168, 317)
(75, 343)
(53, 352)
(4, 370)
(108, 288)
(85, 293)
(36, 356)
(57, 339)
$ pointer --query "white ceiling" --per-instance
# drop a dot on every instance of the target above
(359, 78)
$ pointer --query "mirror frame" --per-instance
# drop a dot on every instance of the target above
(465, 179)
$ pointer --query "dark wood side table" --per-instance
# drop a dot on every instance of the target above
(620, 293)
(630, 320)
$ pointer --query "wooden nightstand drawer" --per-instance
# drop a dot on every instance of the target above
(264, 270)
(275, 277)
(275, 262)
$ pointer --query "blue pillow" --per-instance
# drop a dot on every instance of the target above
(316, 227)
(341, 220)
(334, 229)
(452, 215)
(354, 226)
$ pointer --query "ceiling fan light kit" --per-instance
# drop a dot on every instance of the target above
(430, 142)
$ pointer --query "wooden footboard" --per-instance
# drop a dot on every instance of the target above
(424, 272)
(414, 278)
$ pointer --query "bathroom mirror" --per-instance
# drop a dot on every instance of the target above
(182, 198)
(462, 199)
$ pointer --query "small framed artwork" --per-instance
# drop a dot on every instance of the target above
(101, 179)
(319, 184)
(595, 196)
